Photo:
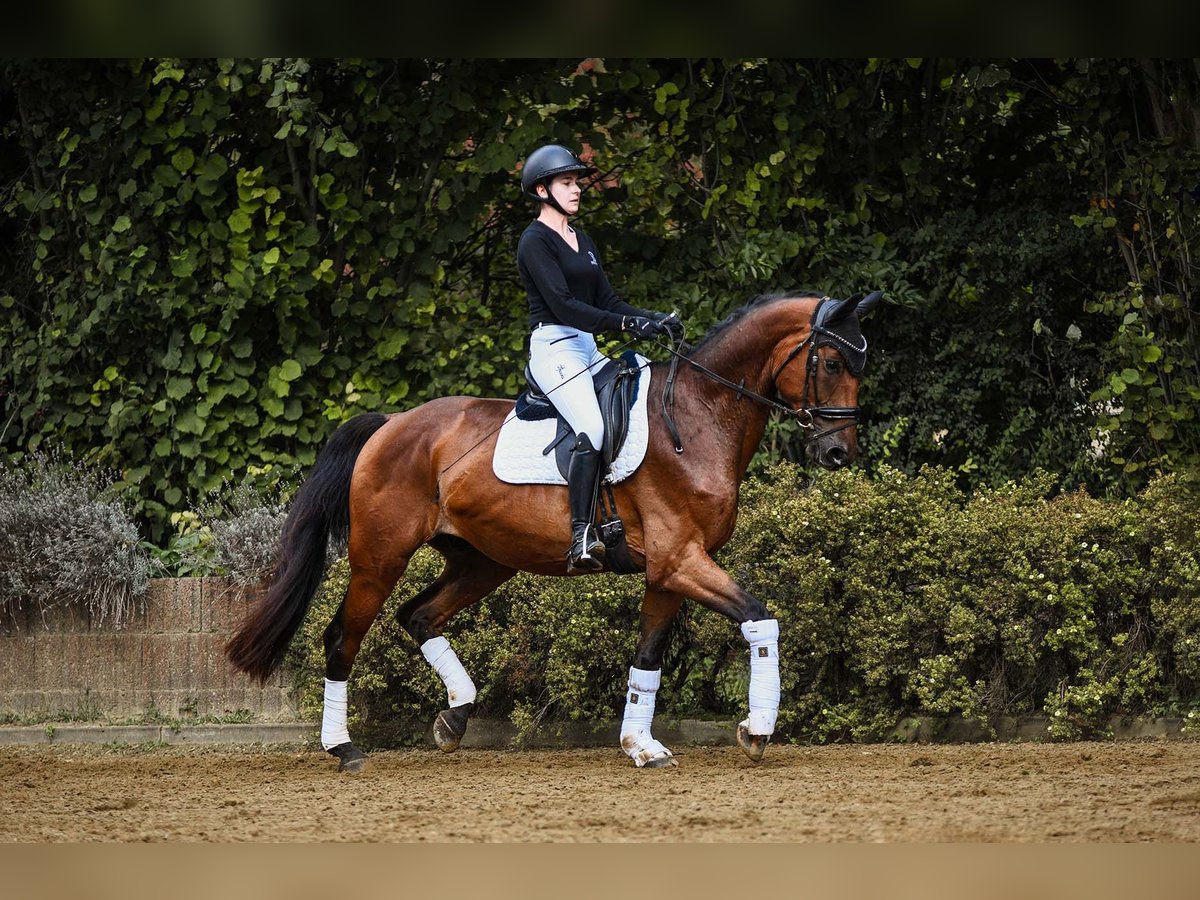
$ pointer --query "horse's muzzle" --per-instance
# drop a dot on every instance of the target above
(831, 456)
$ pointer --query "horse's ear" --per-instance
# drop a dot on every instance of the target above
(867, 304)
(841, 310)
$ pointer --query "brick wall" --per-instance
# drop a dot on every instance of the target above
(169, 658)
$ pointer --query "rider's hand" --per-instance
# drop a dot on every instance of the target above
(674, 326)
(641, 327)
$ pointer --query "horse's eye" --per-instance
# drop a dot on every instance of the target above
(833, 366)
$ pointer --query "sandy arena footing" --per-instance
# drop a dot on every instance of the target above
(992, 792)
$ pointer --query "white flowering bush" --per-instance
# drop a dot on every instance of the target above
(234, 532)
(67, 539)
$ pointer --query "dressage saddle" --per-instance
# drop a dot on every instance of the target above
(616, 391)
(616, 387)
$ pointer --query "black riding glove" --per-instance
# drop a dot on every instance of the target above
(674, 326)
(641, 327)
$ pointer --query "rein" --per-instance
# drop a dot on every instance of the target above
(805, 416)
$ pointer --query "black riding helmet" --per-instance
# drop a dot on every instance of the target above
(545, 163)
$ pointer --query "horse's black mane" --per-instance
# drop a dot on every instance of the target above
(738, 314)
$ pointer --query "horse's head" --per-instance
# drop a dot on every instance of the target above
(819, 379)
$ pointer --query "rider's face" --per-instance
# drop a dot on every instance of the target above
(566, 190)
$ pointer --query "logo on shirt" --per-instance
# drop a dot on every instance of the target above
(592, 257)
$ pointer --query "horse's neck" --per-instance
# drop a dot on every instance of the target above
(741, 355)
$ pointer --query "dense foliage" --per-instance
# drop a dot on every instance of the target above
(206, 265)
(896, 595)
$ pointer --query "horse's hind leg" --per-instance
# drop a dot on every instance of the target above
(369, 588)
(469, 576)
(659, 609)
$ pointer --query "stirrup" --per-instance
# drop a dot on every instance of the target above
(587, 553)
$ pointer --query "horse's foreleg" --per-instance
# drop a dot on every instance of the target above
(469, 576)
(695, 575)
(364, 598)
(659, 609)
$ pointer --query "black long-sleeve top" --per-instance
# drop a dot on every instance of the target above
(568, 287)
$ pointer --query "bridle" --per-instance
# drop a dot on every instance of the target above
(808, 411)
(805, 415)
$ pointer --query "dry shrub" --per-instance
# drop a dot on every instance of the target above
(67, 539)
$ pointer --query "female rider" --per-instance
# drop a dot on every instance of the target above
(570, 300)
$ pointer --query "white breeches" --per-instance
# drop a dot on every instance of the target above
(563, 360)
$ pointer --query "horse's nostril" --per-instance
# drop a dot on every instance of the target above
(838, 457)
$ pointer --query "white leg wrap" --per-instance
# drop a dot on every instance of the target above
(459, 687)
(639, 713)
(333, 716)
(763, 637)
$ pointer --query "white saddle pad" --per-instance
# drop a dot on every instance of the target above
(519, 460)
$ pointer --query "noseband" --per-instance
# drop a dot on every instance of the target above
(806, 414)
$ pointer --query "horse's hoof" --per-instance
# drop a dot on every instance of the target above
(450, 726)
(661, 762)
(651, 756)
(753, 745)
(350, 758)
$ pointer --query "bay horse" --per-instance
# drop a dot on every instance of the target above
(392, 483)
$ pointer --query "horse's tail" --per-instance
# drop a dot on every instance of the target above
(321, 509)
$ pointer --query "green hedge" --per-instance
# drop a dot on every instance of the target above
(210, 263)
(896, 595)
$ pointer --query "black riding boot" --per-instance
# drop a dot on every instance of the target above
(587, 550)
